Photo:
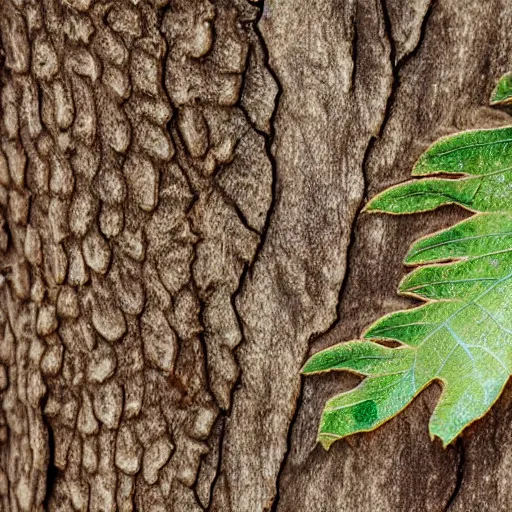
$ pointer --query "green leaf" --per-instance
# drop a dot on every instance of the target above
(475, 152)
(480, 235)
(502, 94)
(462, 335)
(483, 156)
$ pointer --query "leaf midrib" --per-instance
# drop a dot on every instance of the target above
(456, 241)
(469, 146)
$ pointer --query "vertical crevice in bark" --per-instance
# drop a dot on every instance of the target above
(397, 63)
(226, 109)
(289, 439)
(51, 473)
(351, 245)
(460, 474)
(267, 130)
(281, 312)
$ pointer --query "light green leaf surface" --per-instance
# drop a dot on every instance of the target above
(502, 94)
(462, 335)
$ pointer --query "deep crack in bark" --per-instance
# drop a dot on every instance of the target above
(461, 451)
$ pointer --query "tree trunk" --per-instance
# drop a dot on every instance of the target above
(181, 185)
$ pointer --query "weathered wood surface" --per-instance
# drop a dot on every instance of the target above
(180, 191)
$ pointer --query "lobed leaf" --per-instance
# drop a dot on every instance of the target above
(462, 335)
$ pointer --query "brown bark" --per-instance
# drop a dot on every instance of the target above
(180, 188)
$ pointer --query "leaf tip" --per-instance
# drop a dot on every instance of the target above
(502, 93)
(415, 255)
(411, 259)
(372, 206)
(421, 166)
(405, 286)
(307, 368)
(325, 441)
(368, 208)
(446, 440)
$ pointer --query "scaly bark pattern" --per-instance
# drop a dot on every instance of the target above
(134, 189)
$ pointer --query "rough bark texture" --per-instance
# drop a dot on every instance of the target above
(180, 192)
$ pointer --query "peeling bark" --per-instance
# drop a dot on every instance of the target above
(181, 185)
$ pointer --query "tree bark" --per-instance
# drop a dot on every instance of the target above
(181, 186)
